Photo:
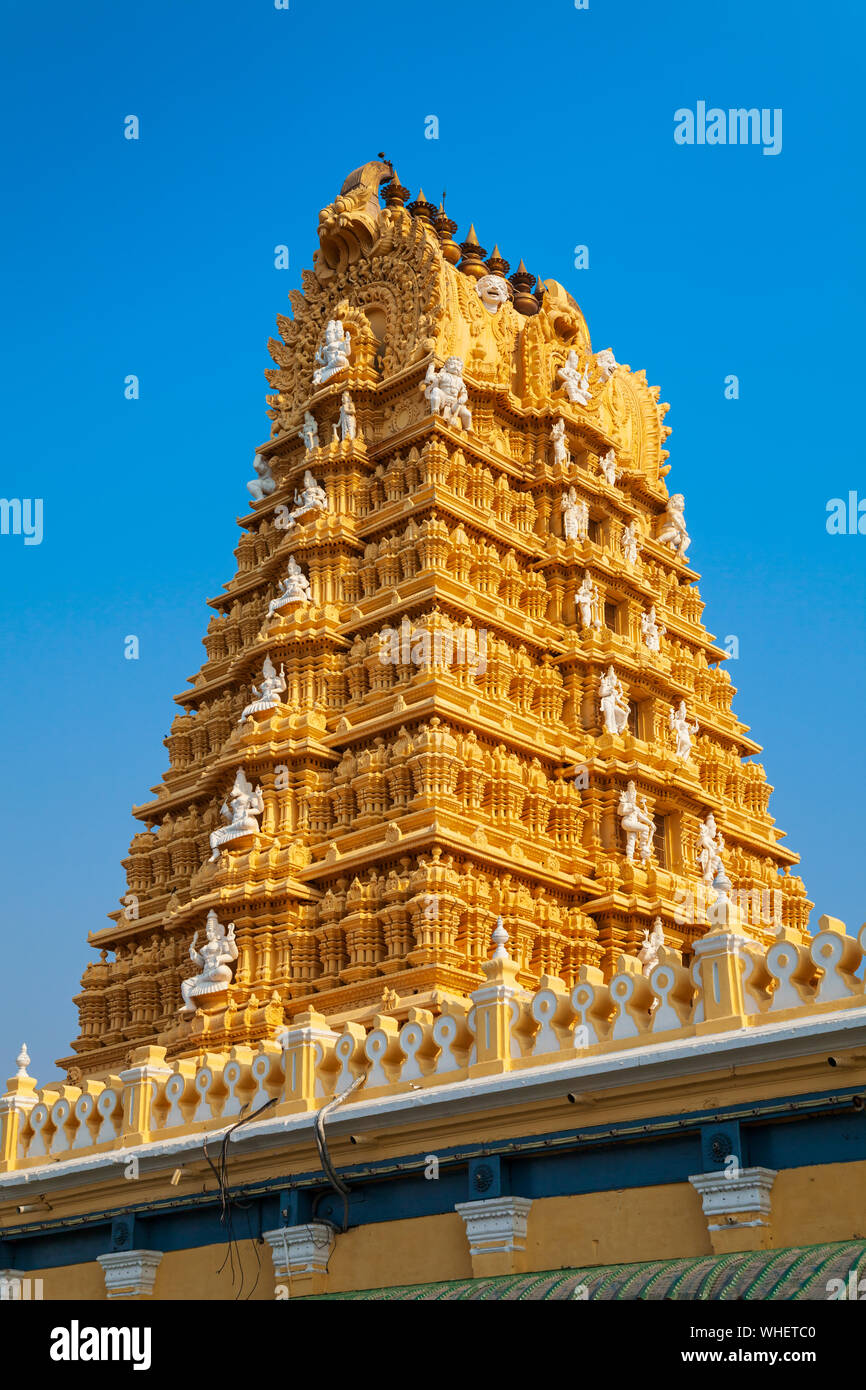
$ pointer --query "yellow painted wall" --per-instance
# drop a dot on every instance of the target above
(810, 1205)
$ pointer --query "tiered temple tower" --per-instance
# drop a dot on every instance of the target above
(470, 584)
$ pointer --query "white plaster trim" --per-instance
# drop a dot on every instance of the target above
(495, 1225)
(129, 1272)
(638, 1066)
(301, 1249)
(725, 1193)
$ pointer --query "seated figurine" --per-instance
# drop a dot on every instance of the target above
(267, 695)
(333, 355)
(575, 381)
(263, 484)
(215, 960)
(295, 588)
(446, 393)
(241, 812)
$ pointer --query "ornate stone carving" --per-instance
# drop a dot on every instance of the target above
(648, 955)
(575, 380)
(332, 355)
(241, 811)
(711, 844)
(606, 364)
(294, 588)
(679, 724)
(215, 960)
(586, 599)
(609, 470)
(348, 425)
(672, 527)
(263, 484)
(561, 456)
(614, 705)
(630, 544)
(652, 630)
(267, 695)
(575, 517)
(446, 393)
(493, 291)
(637, 823)
(309, 432)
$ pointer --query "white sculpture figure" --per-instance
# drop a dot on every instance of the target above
(266, 695)
(310, 496)
(606, 363)
(575, 517)
(214, 959)
(22, 1061)
(637, 823)
(586, 599)
(447, 394)
(652, 630)
(309, 432)
(243, 806)
(575, 381)
(614, 705)
(607, 464)
(630, 544)
(295, 588)
(648, 955)
(493, 291)
(710, 846)
(263, 484)
(347, 422)
(560, 447)
(672, 527)
(679, 724)
(333, 355)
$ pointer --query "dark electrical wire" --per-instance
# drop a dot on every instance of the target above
(226, 1202)
(333, 1176)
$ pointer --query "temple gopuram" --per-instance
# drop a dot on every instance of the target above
(460, 955)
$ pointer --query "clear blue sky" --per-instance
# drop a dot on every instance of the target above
(156, 257)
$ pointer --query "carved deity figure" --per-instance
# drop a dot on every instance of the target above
(575, 381)
(648, 955)
(607, 464)
(263, 484)
(711, 843)
(586, 599)
(575, 517)
(266, 695)
(606, 363)
(446, 393)
(560, 446)
(333, 355)
(637, 823)
(672, 527)
(679, 724)
(347, 422)
(310, 496)
(614, 705)
(493, 291)
(630, 544)
(652, 630)
(309, 432)
(295, 588)
(241, 811)
(214, 960)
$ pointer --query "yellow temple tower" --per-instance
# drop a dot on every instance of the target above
(461, 852)
(469, 581)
